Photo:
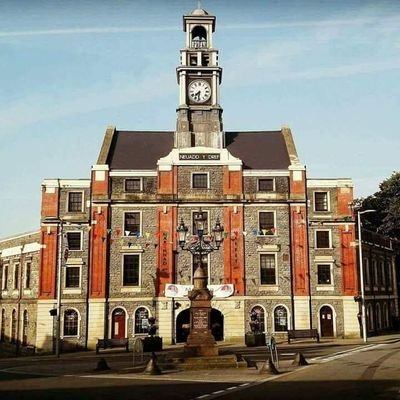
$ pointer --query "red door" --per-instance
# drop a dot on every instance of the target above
(118, 324)
(326, 318)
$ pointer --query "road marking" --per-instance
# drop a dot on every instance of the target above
(218, 392)
(231, 388)
(202, 396)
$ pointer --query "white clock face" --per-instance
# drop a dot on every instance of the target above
(199, 91)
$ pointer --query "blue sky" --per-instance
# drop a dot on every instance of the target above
(328, 69)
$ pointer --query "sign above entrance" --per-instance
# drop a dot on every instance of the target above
(199, 156)
(218, 291)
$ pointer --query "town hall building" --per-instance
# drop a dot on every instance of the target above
(107, 256)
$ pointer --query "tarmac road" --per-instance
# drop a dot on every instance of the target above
(339, 369)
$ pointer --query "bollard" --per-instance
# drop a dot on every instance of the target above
(152, 368)
(269, 366)
(299, 360)
(102, 365)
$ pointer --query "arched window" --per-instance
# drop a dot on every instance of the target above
(258, 311)
(370, 318)
(385, 316)
(378, 316)
(280, 319)
(14, 326)
(25, 328)
(367, 272)
(199, 37)
(141, 320)
(3, 325)
(70, 323)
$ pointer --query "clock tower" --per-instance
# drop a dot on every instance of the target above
(199, 115)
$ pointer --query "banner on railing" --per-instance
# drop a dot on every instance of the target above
(180, 291)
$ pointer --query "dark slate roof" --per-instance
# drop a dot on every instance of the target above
(259, 149)
(139, 150)
(142, 149)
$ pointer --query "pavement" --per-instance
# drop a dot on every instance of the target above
(122, 366)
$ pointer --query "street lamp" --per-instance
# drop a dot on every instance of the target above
(200, 341)
(56, 312)
(360, 256)
(198, 244)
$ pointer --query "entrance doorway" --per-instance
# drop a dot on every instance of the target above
(217, 324)
(183, 325)
(118, 324)
(326, 321)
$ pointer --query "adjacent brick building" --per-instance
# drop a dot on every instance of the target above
(108, 245)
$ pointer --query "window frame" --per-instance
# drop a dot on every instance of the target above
(206, 224)
(5, 276)
(206, 174)
(64, 335)
(80, 240)
(265, 190)
(141, 330)
(324, 264)
(275, 317)
(82, 193)
(16, 275)
(328, 205)
(132, 286)
(207, 265)
(317, 246)
(261, 316)
(70, 267)
(271, 230)
(274, 256)
(132, 233)
(3, 325)
(13, 326)
(126, 180)
(28, 276)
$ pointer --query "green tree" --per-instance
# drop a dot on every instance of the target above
(386, 202)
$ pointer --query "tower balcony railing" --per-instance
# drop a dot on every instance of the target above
(199, 43)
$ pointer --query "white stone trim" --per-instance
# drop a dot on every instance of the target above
(226, 158)
(52, 184)
(329, 183)
(269, 173)
(11, 251)
(31, 247)
(133, 172)
(100, 167)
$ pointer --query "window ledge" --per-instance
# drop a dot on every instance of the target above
(131, 289)
(321, 288)
(72, 291)
(272, 288)
(27, 291)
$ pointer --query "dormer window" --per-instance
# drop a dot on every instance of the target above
(321, 201)
(133, 185)
(266, 185)
(199, 37)
(75, 201)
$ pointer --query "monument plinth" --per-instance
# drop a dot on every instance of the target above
(200, 341)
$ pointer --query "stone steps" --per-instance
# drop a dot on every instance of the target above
(199, 363)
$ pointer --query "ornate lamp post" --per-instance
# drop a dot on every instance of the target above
(200, 341)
